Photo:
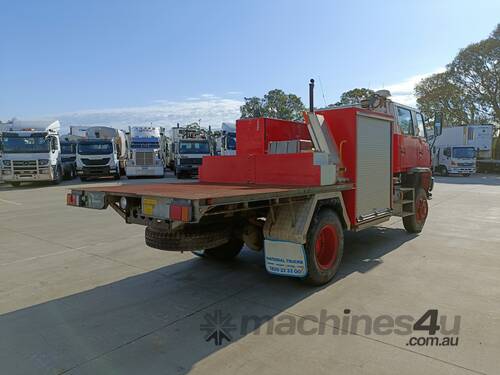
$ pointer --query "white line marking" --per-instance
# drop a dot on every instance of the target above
(11, 202)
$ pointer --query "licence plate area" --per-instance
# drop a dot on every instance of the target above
(166, 209)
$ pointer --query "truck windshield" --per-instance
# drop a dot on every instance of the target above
(13, 143)
(231, 142)
(464, 152)
(153, 144)
(67, 148)
(193, 147)
(95, 148)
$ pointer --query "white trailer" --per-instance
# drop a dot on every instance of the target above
(31, 152)
(78, 131)
(480, 137)
(144, 152)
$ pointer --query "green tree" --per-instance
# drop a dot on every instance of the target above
(354, 96)
(275, 104)
(438, 93)
(469, 90)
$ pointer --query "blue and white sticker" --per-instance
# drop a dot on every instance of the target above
(285, 258)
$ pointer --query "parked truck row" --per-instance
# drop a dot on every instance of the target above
(26, 148)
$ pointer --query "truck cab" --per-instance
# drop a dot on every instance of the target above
(31, 152)
(457, 160)
(228, 139)
(189, 154)
(68, 158)
(97, 158)
(145, 152)
(189, 144)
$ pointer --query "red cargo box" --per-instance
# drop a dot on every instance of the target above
(282, 169)
(254, 134)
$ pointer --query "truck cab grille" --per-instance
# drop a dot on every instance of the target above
(104, 161)
(191, 161)
(144, 158)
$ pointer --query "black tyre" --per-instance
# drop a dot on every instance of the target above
(443, 171)
(324, 247)
(415, 223)
(225, 252)
(83, 179)
(187, 239)
(15, 184)
(466, 174)
(116, 176)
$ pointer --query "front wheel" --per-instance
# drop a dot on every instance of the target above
(58, 177)
(324, 247)
(415, 223)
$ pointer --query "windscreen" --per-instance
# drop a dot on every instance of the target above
(231, 142)
(67, 148)
(95, 148)
(464, 152)
(12, 143)
(194, 147)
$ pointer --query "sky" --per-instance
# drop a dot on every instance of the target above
(122, 63)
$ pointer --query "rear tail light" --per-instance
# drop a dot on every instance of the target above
(72, 200)
(180, 213)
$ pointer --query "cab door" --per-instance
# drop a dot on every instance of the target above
(408, 142)
(423, 150)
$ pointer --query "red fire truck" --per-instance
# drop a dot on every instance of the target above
(291, 190)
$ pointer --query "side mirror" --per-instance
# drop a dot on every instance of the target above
(438, 124)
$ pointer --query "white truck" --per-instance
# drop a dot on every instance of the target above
(31, 152)
(144, 152)
(102, 154)
(455, 151)
(188, 146)
(457, 160)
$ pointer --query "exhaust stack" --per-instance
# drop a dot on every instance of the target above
(311, 95)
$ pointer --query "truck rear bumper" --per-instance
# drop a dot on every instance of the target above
(144, 171)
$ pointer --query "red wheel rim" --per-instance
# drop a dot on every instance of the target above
(326, 247)
(421, 209)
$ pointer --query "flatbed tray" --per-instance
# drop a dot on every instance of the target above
(216, 193)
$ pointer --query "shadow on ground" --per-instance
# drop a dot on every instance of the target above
(150, 323)
(476, 179)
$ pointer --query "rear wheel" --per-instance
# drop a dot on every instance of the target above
(83, 179)
(116, 176)
(225, 252)
(415, 223)
(15, 184)
(443, 171)
(188, 238)
(324, 247)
